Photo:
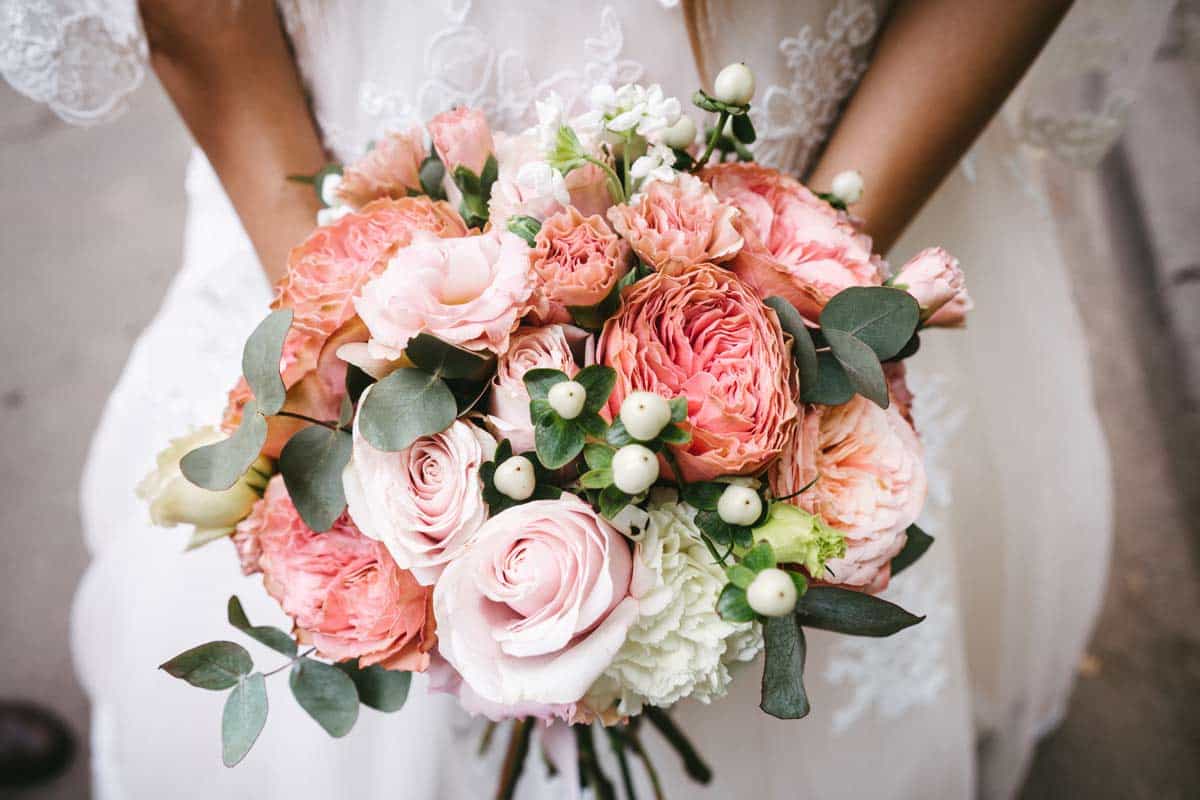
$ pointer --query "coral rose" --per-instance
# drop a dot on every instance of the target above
(675, 225)
(469, 292)
(462, 138)
(389, 169)
(424, 503)
(797, 246)
(345, 593)
(704, 334)
(578, 261)
(935, 279)
(870, 485)
(562, 347)
(534, 611)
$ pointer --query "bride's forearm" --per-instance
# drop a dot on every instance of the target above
(941, 70)
(228, 69)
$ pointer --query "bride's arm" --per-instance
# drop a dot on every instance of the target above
(940, 71)
(230, 73)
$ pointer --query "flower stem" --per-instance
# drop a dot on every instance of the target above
(618, 746)
(636, 745)
(722, 120)
(614, 182)
(589, 765)
(323, 423)
(514, 759)
(693, 764)
(289, 663)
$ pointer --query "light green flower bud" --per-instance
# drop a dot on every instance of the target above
(798, 537)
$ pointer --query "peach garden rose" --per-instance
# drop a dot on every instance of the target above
(392, 168)
(578, 261)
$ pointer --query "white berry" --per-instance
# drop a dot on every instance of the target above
(734, 85)
(848, 186)
(739, 505)
(634, 469)
(680, 135)
(644, 415)
(329, 187)
(566, 398)
(772, 593)
(515, 478)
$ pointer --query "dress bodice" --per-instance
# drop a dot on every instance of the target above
(373, 66)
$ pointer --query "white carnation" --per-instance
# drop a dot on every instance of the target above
(679, 646)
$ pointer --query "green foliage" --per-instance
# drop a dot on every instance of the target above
(596, 478)
(558, 440)
(449, 361)
(759, 557)
(260, 361)
(833, 200)
(703, 495)
(612, 500)
(568, 152)
(721, 532)
(598, 455)
(616, 435)
(498, 501)
(743, 128)
(381, 689)
(433, 172)
(311, 464)
(598, 381)
(271, 636)
(783, 694)
(404, 406)
(833, 608)
(243, 719)
(476, 191)
(733, 606)
(679, 408)
(326, 693)
(803, 351)
(832, 387)
(918, 542)
(317, 179)
(215, 665)
(860, 364)
(219, 465)
(881, 317)
(525, 227)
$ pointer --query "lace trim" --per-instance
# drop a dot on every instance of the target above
(82, 61)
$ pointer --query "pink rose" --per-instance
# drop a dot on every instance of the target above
(537, 608)
(528, 186)
(797, 246)
(345, 593)
(675, 225)
(704, 334)
(578, 261)
(462, 138)
(561, 347)
(424, 503)
(870, 483)
(391, 168)
(469, 292)
(935, 279)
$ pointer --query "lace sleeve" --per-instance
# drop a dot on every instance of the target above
(1076, 98)
(82, 58)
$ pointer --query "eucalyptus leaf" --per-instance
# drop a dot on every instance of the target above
(918, 542)
(832, 608)
(260, 361)
(214, 665)
(881, 317)
(243, 719)
(803, 350)
(558, 440)
(862, 366)
(833, 385)
(219, 465)
(733, 606)
(357, 382)
(598, 381)
(311, 464)
(449, 361)
(783, 694)
(327, 694)
(381, 689)
(271, 636)
(404, 406)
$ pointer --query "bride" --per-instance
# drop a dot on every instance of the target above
(898, 91)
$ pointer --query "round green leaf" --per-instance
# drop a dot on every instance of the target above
(215, 665)
(832, 608)
(733, 606)
(598, 381)
(327, 694)
(882, 317)
(539, 381)
(862, 366)
(558, 440)
(311, 464)
(243, 719)
(219, 465)
(404, 406)
(379, 688)
(449, 361)
(596, 478)
(832, 387)
(783, 694)
(260, 361)
(272, 637)
(598, 456)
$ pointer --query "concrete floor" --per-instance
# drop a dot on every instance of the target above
(91, 234)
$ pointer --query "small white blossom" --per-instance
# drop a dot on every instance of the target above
(551, 115)
(328, 216)
(539, 179)
(645, 111)
(657, 165)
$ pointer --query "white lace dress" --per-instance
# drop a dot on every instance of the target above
(1023, 526)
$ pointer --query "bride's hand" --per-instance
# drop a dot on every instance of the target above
(228, 68)
(941, 70)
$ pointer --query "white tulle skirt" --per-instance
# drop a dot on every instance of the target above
(1019, 502)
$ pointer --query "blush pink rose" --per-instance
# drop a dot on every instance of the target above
(345, 593)
(704, 334)
(673, 226)
(578, 260)
(538, 607)
(562, 347)
(462, 138)
(390, 169)
(424, 503)
(871, 483)
(470, 292)
(934, 277)
(798, 247)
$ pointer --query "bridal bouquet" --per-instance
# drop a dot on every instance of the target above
(575, 420)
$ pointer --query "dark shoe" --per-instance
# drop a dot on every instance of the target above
(35, 745)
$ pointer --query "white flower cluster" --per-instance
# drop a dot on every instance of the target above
(644, 110)
(679, 646)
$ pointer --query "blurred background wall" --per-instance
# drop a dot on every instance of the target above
(90, 232)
